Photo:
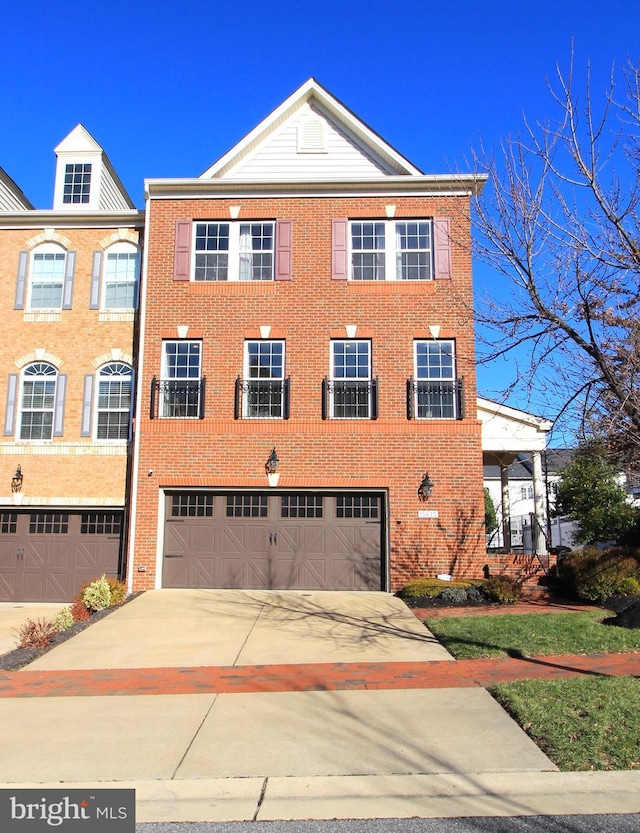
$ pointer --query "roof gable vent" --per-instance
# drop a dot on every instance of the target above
(311, 136)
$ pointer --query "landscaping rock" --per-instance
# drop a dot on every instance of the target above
(629, 617)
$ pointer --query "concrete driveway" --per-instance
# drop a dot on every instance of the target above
(319, 744)
(14, 614)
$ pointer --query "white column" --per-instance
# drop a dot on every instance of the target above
(506, 509)
(540, 503)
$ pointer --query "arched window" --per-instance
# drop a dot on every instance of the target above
(38, 401)
(121, 271)
(115, 384)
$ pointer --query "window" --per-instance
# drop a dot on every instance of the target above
(192, 505)
(180, 391)
(301, 506)
(357, 506)
(101, 523)
(47, 277)
(114, 401)
(8, 523)
(77, 183)
(48, 523)
(234, 251)
(264, 392)
(247, 506)
(351, 391)
(122, 267)
(526, 492)
(435, 393)
(391, 250)
(38, 401)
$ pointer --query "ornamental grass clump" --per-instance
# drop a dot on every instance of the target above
(36, 633)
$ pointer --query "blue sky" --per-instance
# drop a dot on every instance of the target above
(167, 88)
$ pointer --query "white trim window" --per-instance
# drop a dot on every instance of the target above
(351, 387)
(234, 251)
(264, 386)
(121, 273)
(181, 393)
(115, 384)
(47, 277)
(435, 388)
(76, 189)
(38, 401)
(399, 250)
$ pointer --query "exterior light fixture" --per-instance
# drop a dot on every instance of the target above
(16, 481)
(425, 488)
(271, 468)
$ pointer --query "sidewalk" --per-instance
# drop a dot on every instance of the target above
(222, 706)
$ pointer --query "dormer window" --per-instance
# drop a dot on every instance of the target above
(77, 183)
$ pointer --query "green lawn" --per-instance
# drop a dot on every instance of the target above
(533, 634)
(580, 723)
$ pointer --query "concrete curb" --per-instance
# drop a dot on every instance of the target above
(377, 796)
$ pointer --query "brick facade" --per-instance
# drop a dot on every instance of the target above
(390, 453)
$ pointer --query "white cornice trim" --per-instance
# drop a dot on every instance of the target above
(65, 219)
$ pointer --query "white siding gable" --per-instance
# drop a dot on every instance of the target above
(309, 146)
(11, 197)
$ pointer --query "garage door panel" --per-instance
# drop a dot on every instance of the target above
(52, 554)
(276, 541)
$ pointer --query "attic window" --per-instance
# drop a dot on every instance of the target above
(77, 183)
(311, 138)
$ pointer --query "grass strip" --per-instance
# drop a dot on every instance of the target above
(590, 723)
(532, 634)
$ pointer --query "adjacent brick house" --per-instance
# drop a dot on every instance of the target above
(68, 295)
(306, 353)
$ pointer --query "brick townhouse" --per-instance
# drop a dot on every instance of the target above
(306, 411)
(68, 297)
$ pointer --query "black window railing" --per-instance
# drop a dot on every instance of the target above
(262, 398)
(435, 399)
(177, 398)
(350, 399)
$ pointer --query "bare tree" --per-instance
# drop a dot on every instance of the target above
(560, 221)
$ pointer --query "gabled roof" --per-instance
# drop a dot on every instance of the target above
(509, 429)
(107, 191)
(342, 142)
(11, 197)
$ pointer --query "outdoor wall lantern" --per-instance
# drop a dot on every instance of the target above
(425, 488)
(271, 467)
(16, 481)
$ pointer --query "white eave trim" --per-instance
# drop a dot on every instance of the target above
(513, 414)
(68, 219)
(424, 185)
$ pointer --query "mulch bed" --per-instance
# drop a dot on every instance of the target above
(18, 658)
(627, 610)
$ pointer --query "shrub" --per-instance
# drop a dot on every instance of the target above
(430, 587)
(454, 595)
(97, 595)
(595, 576)
(118, 590)
(475, 594)
(502, 589)
(36, 633)
(63, 619)
(80, 611)
(629, 586)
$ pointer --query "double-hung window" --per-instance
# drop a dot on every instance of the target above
(351, 392)
(264, 391)
(391, 250)
(121, 270)
(47, 278)
(114, 401)
(435, 391)
(181, 387)
(234, 251)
